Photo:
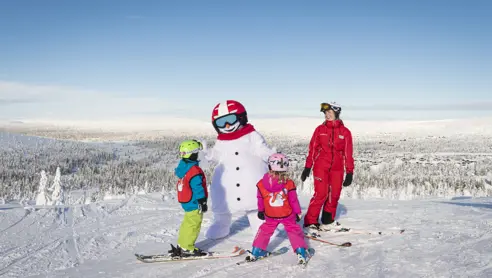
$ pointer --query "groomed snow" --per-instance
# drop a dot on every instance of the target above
(443, 238)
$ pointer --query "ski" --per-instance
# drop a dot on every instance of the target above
(367, 232)
(316, 237)
(155, 258)
(356, 231)
(277, 252)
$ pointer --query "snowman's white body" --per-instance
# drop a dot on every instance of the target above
(241, 163)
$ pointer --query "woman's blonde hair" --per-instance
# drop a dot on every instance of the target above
(282, 177)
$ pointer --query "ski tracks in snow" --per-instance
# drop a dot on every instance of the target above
(442, 238)
(67, 230)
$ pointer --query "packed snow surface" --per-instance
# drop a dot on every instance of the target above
(407, 174)
(442, 238)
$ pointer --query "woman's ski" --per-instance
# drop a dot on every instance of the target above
(316, 237)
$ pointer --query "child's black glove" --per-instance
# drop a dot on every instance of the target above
(305, 173)
(298, 217)
(261, 215)
(202, 204)
(348, 179)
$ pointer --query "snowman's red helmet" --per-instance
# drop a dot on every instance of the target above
(228, 116)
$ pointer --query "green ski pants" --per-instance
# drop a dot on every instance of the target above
(190, 229)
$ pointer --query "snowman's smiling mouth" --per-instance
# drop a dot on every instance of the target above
(230, 129)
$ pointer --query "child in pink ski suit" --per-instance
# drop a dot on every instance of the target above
(278, 204)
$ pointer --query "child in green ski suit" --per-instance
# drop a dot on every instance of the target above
(192, 194)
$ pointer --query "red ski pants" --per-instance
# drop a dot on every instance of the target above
(327, 189)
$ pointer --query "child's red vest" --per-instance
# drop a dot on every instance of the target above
(183, 186)
(276, 203)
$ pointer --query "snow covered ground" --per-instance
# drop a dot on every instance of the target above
(442, 238)
(409, 175)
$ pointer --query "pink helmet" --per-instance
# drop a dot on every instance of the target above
(278, 162)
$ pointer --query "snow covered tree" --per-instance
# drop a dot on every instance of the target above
(42, 199)
(58, 196)
(146, 187)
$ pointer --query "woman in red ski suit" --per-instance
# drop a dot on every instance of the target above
(330, 151)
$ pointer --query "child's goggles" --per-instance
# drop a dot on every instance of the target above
(283, 163)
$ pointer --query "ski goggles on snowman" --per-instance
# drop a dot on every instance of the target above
(227, 119)
(326, 106)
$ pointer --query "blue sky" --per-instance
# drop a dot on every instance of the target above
(379, 59)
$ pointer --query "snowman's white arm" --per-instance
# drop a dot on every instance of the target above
(209, 154)
(261, 147)
(212, 154)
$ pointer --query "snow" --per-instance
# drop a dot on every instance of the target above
(294, 127)
(442, 238)
(431, 178)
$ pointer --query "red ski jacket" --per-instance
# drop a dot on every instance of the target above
(331, 147)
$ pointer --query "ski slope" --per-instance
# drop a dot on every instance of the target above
(443, 238)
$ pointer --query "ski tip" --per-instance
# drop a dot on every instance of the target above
(346, 244)
(238, 249)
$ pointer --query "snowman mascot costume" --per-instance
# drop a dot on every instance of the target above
(241, 154)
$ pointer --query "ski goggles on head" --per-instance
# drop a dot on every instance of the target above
(227, 119)
(191, 151)
(326, 106)
(284, 163)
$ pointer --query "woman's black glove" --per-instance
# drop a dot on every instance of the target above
(261, 215)
(305, 173)
(348, 179)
